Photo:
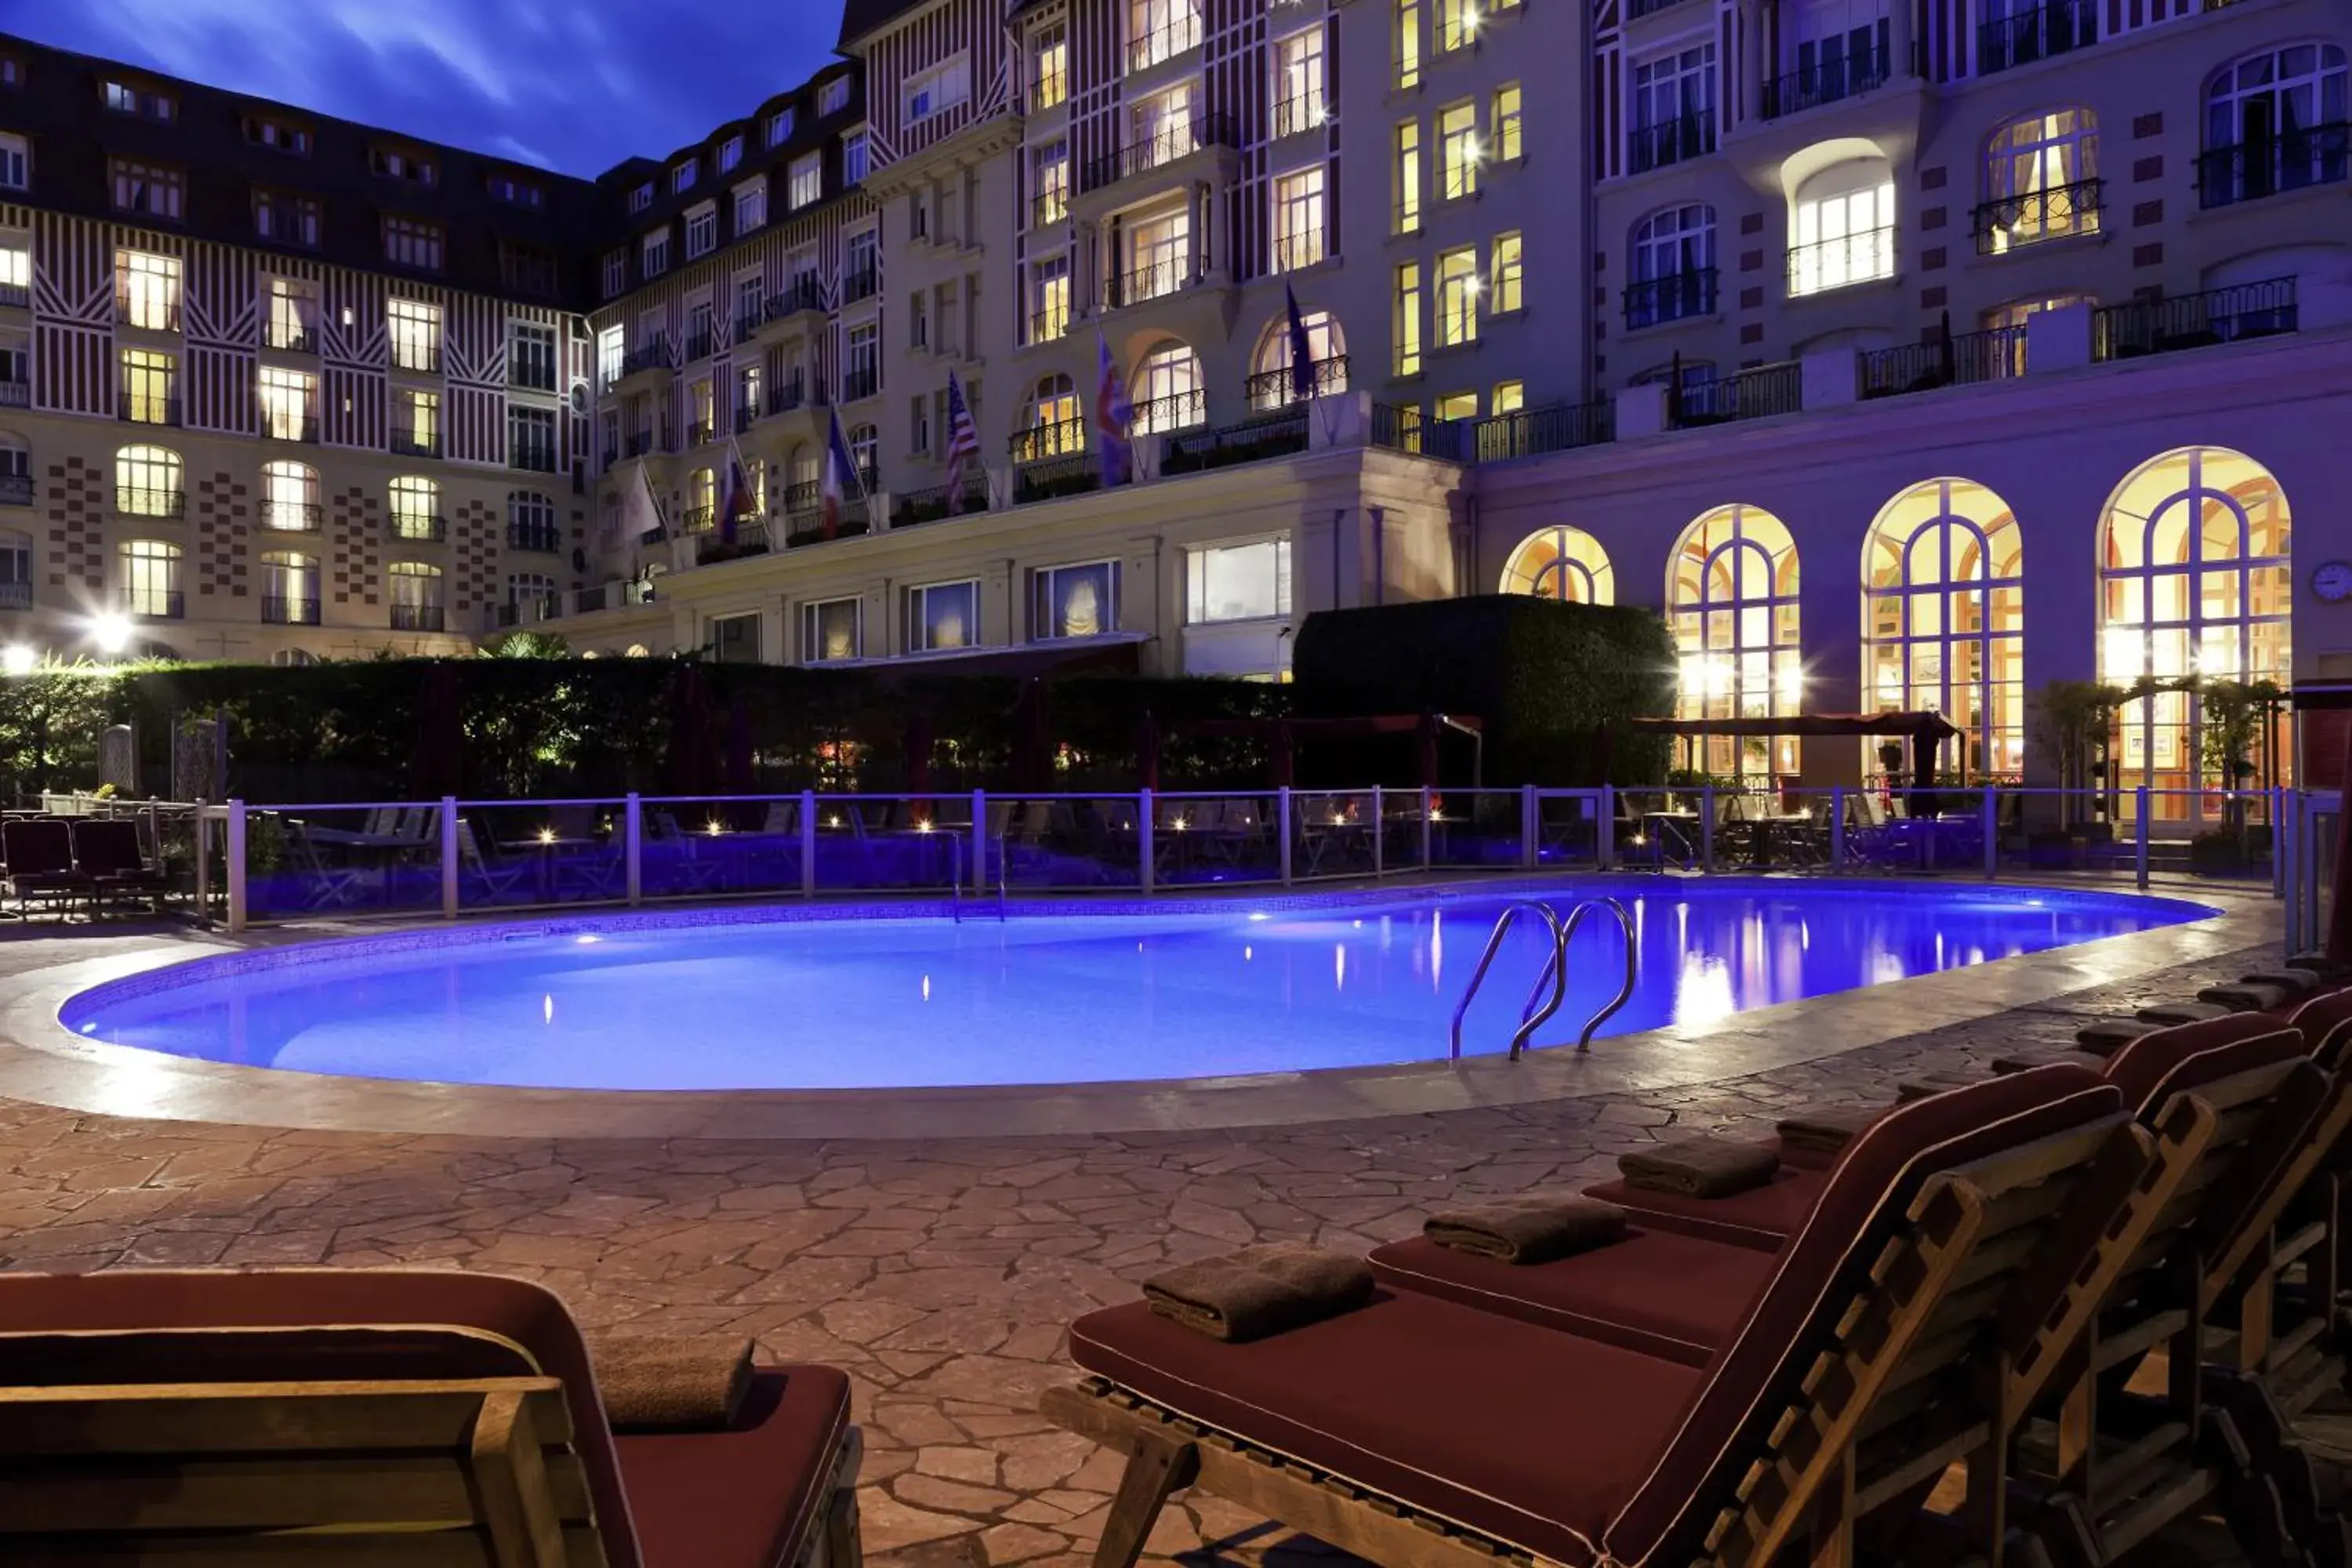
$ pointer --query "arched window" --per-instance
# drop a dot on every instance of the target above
(637, 650)
(289, 589)
(1273, 380)
(701, 499)
(1731, 591)
(2042, 180)
(2274, 121)
(1167, 390)
(1943, 619)
(151, 579)
(2194, 583)
(415, 596)
(1670, 272)
(293, 658)
(1841, 228)
(1564, 564)
(417, 509)
(290, 497)
(866, 452)
(148, 482)
(1055, 425)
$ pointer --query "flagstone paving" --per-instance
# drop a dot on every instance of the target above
(940, 1275)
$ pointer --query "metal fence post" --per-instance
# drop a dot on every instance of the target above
(1530, 828)
(980, 840)
(633, 847)
(235, 866)
(1380, 837)
(808, 844)
(1837, 828)
(449, 857)
(203, 865)
(2278, 842)
(1282, 829)
(2139, 837)
(1989, 809)
(1143, 842)
(1427, 796)
(1604, 829)
(1707, 829)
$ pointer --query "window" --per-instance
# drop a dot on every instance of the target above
(2194, 583)
(833, 97)
(1674, 108)
(1845, 227)
(805, 181)
(1943, 612)
(151, 389)
(2041, 181)
(942, 615)
(148, 482)
(413, 328)
(1298, 219)
(1507, 147)
(780, 128)
(413, 242)
(1457, 23)
(1055, 426)
(657, 253)
(830, 630)
(730, 153)
(517, 192)
(2276, 122)
(415, 509)
(399, 165)
(527, 270)
(1299, 93)
(681, 177)
(1510, 397)
(617, 274)
(1049, 183)
(612, 352)
(282, 219)
(1457, 152)
(856, 158)
(1074, 601)
(1049, 66)
(1168, 393)
(1273, 381)
(1247, 582)
(1158, 258)
(289, 589)
(289, 405)
(864, 453)
(702, 230)
(147, 290)
(151, 579)
(531, 356)
(143, 190)
(750, 301)
(290, 497)
(415, 596)
(641, 197)
(417, 422)
(1408, 37)
(1457, 297)
(1562, 563)
(16, 163)
(1406, 328)
(1672, 275)
(1049, 298)
(126, 100)
(1508, 273)
(1457, 405)
(1162, 127)
(862, 375)
(1732, 601)
(531, 523)
(1160, 29)
(1408, 177)
(530, 439)
(943, 87)
(16, 269)
(701, 408)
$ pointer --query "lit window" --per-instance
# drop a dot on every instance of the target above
(1944, 619)
(1056, 427)
(701, 499)
(1457, 23)
(16, 268)
(1244, 582)
(1511, 396)
(935, 92)
(780, 127)
(1457, 151)
(1507, 146)
(657, 253)
(415, 422)
(830, 630)
(416, 504)
(1408, 177)
(16, 163)
(641, 197)
(1160, 29)
(833, 97)
(730, 153)
(147, 290)
(1298, 219)
(1408, 40)
(2041, 181)
(412, 242)
(1457, 297)
(289, 589)
(1733, 609)
(289, 405)
(681, 178)
(751, 206)
(1049, 66)
(1563, 563)
(1456, 405)
(143, 190)
(1158, 258)
(151, 579)
(1049, 298)
(805, 181)
(151, 387)
(413, 327)
(1274, 379)
(611, 351)
(290, 497)
(1508, 267)
(942, 615)
(415, 596)
(1298, 82)
(1406, 328)
(1845, 227)
(856, 158)
(1074, 601)
(1049, 183)
(149, 481)
(702, 230)
(1168, 391)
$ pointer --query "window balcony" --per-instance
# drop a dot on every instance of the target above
(1177, 411)
(918, 507)
(1754, 394)
(283, 612)
(146, 314)
(745, 418)
(1995, 353)
(700, 433)
(698, 347)
(2274, 164)
(863, 284)
(531, 374)
(149, 407)
(802, 296)
(2057, 211)
(1273, 388)
(697, 519)
(542, 538)
(1075, 474)
(1153, 281)
(16, 595)
(791, 396)
(1673, 141)
(2194, 321)
(289, 426)
(861, 383)
(136, 500)
(417, 618)
(1176, 36)
(289, 337)
(1162, 147)
(1276, 435)
(414, 529)
(1049, 326)
(423, 358)
(536, 457)
(1041, 443)
(19, 295)
(1677, 296)
(153, 604)
(2040, 32)
(408, 444)
(1531, 432)
(650, 355)
(1839, 263)
(15, 395)
(1301, 113)
(1648, 8)
(15, 489)
(636, 446)
(1826, 82)
(293, 516)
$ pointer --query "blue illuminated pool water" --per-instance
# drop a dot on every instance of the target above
(822, 1004)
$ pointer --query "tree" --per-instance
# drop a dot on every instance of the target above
(526, 645)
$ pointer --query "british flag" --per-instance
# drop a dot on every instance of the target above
(1114, 419)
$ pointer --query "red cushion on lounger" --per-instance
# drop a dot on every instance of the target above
(1655, 1292)
(2325, 1020)
(1532, 1436)
(1761, 1218)
(747, 1496)
(2155, 1066)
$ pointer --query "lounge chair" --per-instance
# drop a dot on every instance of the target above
(40, 862)
(397, 1418)
(1416, 1431)
(106, 851)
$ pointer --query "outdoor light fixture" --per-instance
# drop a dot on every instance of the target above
(17, 658)
(1180, 825)
(924, 825)
(547, 836)
(110, 632)
(715, 828)
(833, 822)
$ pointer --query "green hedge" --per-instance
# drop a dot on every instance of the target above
(1545, 679)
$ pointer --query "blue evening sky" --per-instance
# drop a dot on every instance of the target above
(573, 85)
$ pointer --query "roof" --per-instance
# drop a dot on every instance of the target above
(860, 17)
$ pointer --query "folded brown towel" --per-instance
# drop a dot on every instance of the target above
(1260, 1290)
(1829, 1129)
(664, 1382)
(1700, 1167)
(1534, 1227)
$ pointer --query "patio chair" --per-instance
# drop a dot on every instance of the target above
(38, 852)
(1416, 1431)
(393, 1418)
(489, 881)
(105, 851)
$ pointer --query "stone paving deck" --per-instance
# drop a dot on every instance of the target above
(938, 1274)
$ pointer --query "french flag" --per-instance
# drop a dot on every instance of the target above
(840, 473)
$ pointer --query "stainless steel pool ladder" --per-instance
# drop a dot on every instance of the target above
(1555, 972)
(955, 873)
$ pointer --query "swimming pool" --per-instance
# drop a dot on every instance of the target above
(790, 999)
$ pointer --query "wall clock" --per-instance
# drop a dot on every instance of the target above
(2332, 581)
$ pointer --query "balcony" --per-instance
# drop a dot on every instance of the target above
(636, 446)
(2194, 321)
(1041, 443)
(15, 489)
(280, 611)
(532, 374)
(19, 295)
(1273, 388)
(1850, 258)
(421, 359)
(145, 313)
(804, 521)
(1180, 34)
(289, 337)
(289, 426)
(414, 529)
(16, 595)
(542, 538)
(1049, 326)
(1051, 206)
(408, 444)
(535, 457)
(747, 326)
(861, 383)
(862, 284)
(1532, 432)
(1755, 393)
(153, 604)
(745, 418)
(1672, 141)
(148, 408)
(1153, 281)
(698, 347)
(1826, 82)
(1277, 435)
(919, 507)
(138, 500)
(700, 433)
(2057, 211)
(1995, 353)
(1677, 296)
(2275, 164)
(802, 296)
(1161, 147)
(696, 519)
(1648, 8)
(650, 355)
(1177, 411)
(2039, 33)
(1301, 113)
(417, 618)
(750, 539)
(293, 516)
(790, 396)
(15, 395)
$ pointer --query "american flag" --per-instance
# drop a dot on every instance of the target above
(963, 442)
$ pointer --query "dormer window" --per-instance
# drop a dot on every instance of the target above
(833, 96)
(517, 192)
(682, 177)
(124, 99)
(730, 153)
(395, 164)
(642, 198)
(276, 133)
(780, 127)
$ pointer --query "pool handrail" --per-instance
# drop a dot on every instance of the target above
(1553, 970)
(1624, 992)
